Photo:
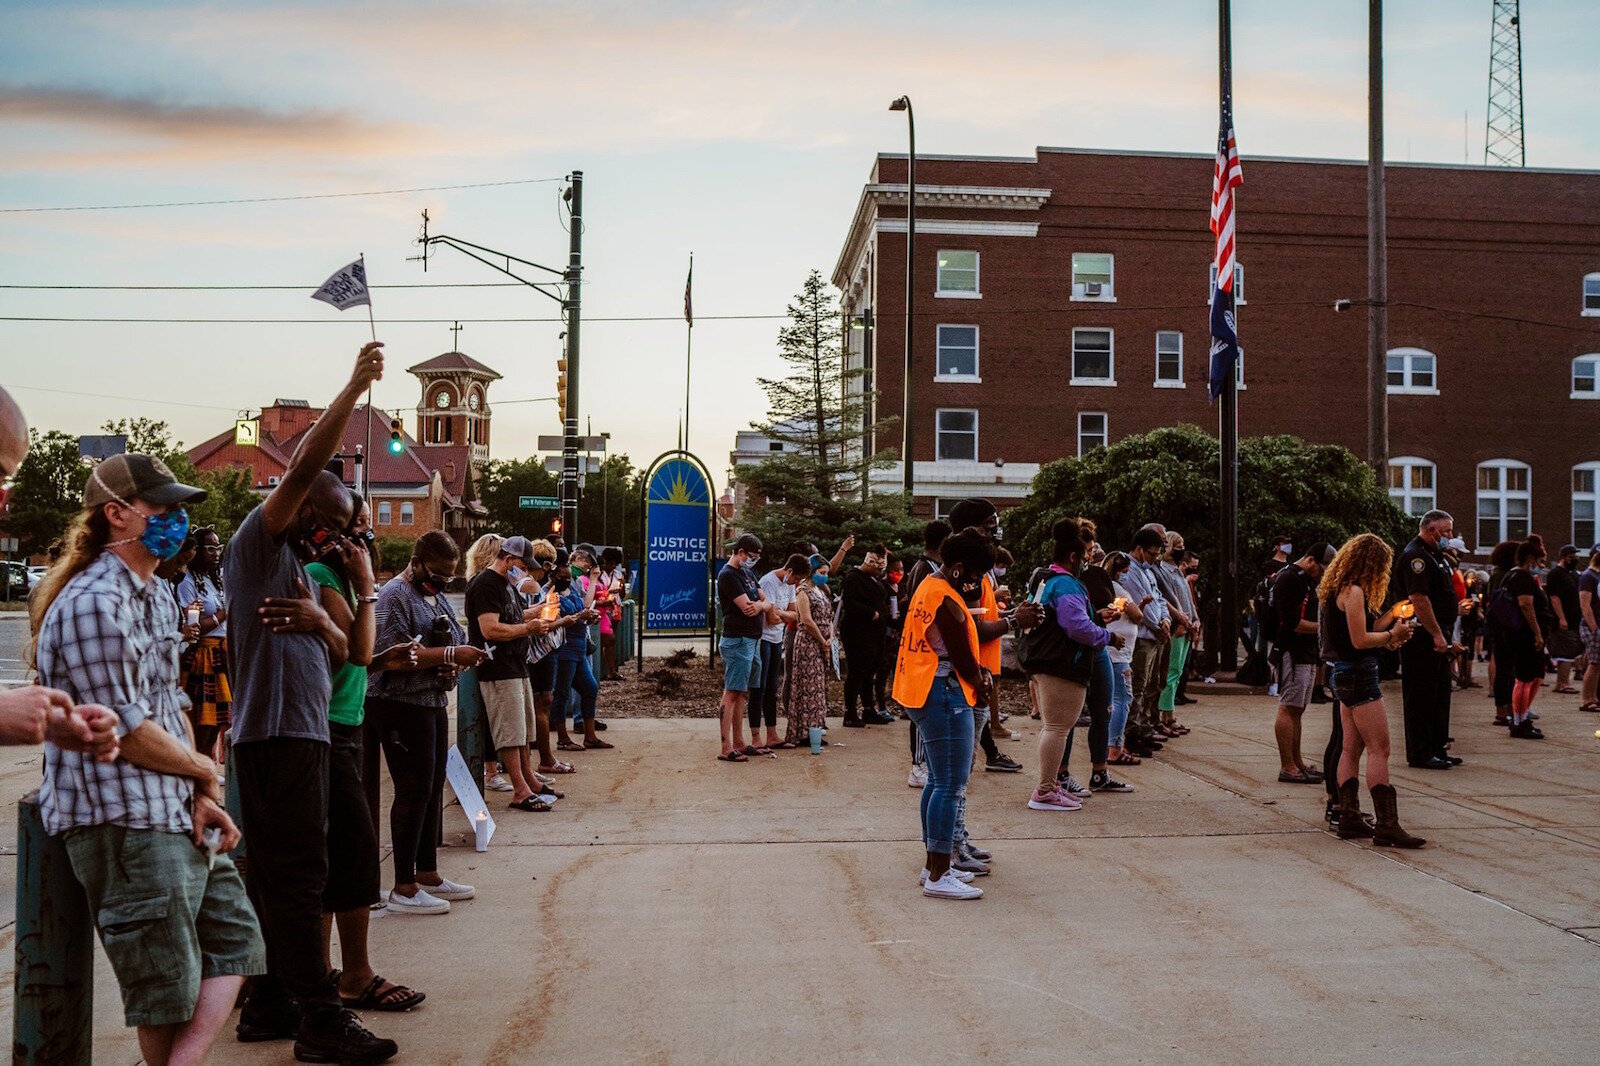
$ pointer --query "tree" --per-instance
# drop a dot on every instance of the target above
(813, 489)
(47, 490)
(608, 508)
(1305, 491)
(503, 482)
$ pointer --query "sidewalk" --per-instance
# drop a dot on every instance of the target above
(677, 909)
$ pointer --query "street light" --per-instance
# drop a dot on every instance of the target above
(903, 103)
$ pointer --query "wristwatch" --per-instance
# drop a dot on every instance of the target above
(367, 599)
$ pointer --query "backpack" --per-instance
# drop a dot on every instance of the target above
(1505, 614)
(1261, 603)
(1047, 649)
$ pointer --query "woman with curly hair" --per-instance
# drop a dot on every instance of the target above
(1350, 634)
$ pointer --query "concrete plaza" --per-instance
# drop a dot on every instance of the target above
(677, 909)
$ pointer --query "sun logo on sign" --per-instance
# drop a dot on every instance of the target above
(673, 484)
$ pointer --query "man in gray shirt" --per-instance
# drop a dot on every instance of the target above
(1149, 650)
(281, 645)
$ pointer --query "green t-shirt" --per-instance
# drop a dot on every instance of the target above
(347, 704)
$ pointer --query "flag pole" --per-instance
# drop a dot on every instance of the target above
(688, 348)
(1228, 435)
(366, 459)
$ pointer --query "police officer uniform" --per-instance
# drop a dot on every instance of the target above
(1424, 672)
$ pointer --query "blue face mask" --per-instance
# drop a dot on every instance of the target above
(820, 579)
(164, 534)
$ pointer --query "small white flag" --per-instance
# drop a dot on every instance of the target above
(347, 288)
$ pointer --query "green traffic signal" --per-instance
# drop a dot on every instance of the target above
(397, 446)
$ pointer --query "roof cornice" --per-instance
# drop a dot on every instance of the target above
(876, 195)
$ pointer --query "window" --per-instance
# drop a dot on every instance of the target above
(958, 353)
(1169, 359)
(943, 505)
(774, 445)
(1411, 485)
(1238, 284)
(1091, 276)
(1091, 357)
(1504, 502)
(1586, 377)
(408, 514)
(958, 274)
(958, 435)
(1585, 505)
(385, 513)
(1091, 431)
(1591, 294)
(1411, 370)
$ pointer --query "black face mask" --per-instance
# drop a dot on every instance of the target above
(368, 540)
(422, 581)
(562, 582)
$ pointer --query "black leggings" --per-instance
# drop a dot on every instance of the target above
(763, 702)
(1505, 670)
(861, 652)
(886, 664)
(1331, 754)
(415, 744)
(1098, 704)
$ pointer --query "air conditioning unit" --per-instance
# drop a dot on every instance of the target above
(273, 480)
(1092, 288)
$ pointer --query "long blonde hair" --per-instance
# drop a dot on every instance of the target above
(1364, 560)
(484, 551)
(83, 542)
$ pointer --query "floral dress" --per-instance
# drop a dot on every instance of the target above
(806, 683)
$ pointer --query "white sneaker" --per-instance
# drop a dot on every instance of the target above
(424, 902)
(960, 875)
(918, 777)
(1272, 689)
(498, 783)
(448, 889)
(949, 887)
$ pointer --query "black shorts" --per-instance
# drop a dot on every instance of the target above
(1355, 683)
(352, 842)
(1527, 661)
(542, 675)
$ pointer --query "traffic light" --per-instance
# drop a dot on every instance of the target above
(555, 527)
(397, 442)
(561, 391)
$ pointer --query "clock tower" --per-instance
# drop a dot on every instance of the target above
(454, 405)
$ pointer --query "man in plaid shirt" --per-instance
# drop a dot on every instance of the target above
(146, 833)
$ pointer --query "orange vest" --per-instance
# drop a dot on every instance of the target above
(915, 667)
(989, 651)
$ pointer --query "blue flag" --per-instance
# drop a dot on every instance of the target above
(1224, 339)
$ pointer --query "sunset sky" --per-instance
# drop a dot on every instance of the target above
(739, 131)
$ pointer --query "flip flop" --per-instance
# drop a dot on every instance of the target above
(397, 999)
(532, 803)
(595, 745)
(787, 745)
(559, 768)
(733, 756)
(751, 751)
(546, 790)
(568, 745)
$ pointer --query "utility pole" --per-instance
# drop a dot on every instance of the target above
(1228, 409)
(1377, 256)
(569, 445)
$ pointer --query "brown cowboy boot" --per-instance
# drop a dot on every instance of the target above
(1388, 833)
(1351, 823)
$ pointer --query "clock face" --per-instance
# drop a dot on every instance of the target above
(442, 400)
(474, 401)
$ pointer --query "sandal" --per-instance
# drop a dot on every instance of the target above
(1125, 759)
(532, 803)
(1567, 691)
(751, 751)
(1298, 778)
(547, 790)
(733, 756)
(569, 745)
(559, 768)
(395, 999)
(596, 744)
(787, 745)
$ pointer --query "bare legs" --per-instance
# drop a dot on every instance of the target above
(1366, 728)
(188, 1043)
(733, 721)
(1286, 728)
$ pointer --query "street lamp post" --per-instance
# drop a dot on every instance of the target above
(903, 103)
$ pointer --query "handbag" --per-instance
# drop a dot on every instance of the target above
(1564, 644)
(1047, 649)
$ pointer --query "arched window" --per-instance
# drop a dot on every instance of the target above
(1505, 501)
(1413, 370)
(1586, 377)
(1586, 505)
(1411, 485)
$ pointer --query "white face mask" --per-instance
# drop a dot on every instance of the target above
(517, 574)
(999, 571)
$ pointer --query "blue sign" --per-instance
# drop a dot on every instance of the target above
(677, 524)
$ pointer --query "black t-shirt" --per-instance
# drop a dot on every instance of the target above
(1520, 583)
(1589, 581)
(1425, 571)
(489, 593)
(1562, 584)
(864, 604)
(1098, 582)
(1294, 599)
(733, 582)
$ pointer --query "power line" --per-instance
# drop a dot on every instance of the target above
(258, 288)
(128, 399)
(276, 199)
(388, 321)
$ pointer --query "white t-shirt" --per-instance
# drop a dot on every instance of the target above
(778, 591)
(1124, 625)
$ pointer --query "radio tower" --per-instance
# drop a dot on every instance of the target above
(1502, 144)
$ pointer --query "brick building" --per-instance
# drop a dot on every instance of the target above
(1062, 303)
(427, 485)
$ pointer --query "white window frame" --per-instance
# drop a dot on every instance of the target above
(939, 373)
(408, 513)
(1109, 382)
(1108, 290)
(1407, 494)
(1592, 498)
(1168, 383)
(943, 505)
(1105, 431)
(385, 513)
(1408, 356)
(1503, 498)
(1593, 391)
(975, 293)
(1590, 282)
(1238, 283)
(939, 431)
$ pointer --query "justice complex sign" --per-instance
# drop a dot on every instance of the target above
(677, 544)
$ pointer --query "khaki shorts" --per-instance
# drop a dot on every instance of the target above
(166, 919)
(509, 705)
(1295, 681)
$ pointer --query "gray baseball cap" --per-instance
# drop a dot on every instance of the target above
(518, 548)
(125, 478)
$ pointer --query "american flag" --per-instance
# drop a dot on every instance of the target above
(1224, 179)
(688, 295)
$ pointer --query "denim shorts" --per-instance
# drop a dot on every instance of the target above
(741, 663)
(1356, 682)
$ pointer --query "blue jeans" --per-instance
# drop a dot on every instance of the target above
(1121, 700)
(945, 725)
(575, 675)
